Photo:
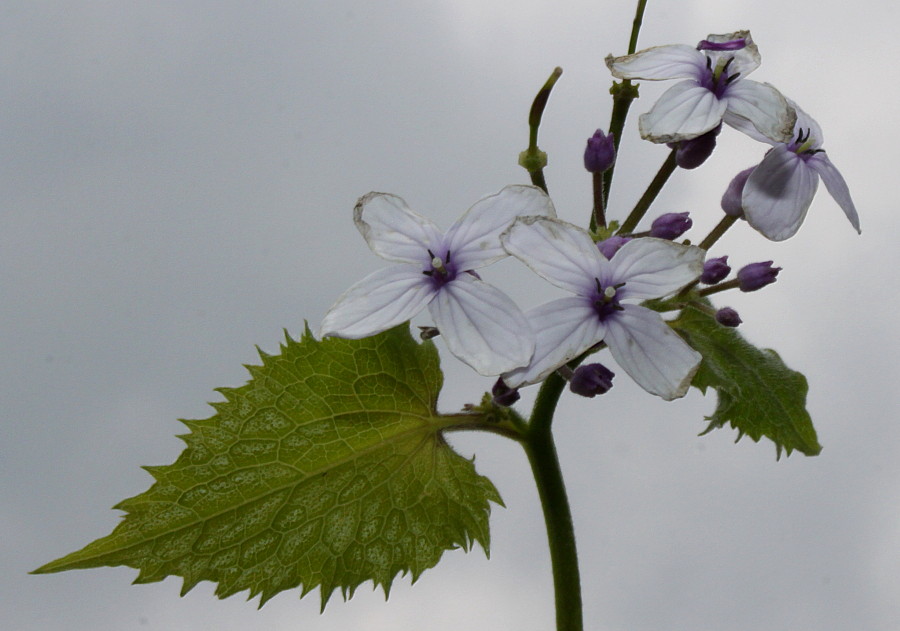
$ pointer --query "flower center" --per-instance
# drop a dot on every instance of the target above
(606, 302)
(804, 143)
(717, 79)
(442, 271)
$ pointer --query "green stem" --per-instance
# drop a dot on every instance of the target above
(718, 231)
(623, 94)
(533, 159)
(640, 209)
(598, 220)
(544, 462)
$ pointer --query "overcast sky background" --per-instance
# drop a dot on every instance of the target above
(178, 181)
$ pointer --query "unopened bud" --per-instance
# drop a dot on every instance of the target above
(726, 316)
(670, 225)
(689, 154)
(600, 153)
(503, 394)
(610, 246)
(731, 200)
(715, 270)
(591, 379)
(756, 276)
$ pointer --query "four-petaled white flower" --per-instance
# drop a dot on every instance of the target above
(481, 325)
(601, 310)
(780, 189)
(714, 90)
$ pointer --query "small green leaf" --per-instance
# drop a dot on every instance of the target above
(757, 394)
(328, 468)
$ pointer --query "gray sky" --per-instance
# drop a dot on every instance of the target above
(178, 181)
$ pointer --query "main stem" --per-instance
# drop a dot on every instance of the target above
(544, 462)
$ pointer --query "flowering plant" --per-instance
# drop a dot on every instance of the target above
(330, 467)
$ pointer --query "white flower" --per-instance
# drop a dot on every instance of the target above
(480, 324)
(714, 89)
(781, 188)
(639, 339)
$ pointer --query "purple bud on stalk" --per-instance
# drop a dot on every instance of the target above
(726, 316)
(600, 153)
(670, 225)
(591, 379)
(503, 394)
(756, 276)
(731, 200)
(610, 246)
(689, 154)
(715, 270)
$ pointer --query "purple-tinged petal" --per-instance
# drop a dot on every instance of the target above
(564, 329)
(393, 231)
(378, 302)
(676, 61)
(684, 111)
(807, 126)
(482, 326)
(474, 240)
(836, 186)
(744, 60)
(651, 352)
(652, 268)
(778, 193)
(559, 252)
(763, 106)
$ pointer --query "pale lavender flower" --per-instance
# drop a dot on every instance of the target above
(480, 324)
(714, 89)
(779, 191)
(601, 309)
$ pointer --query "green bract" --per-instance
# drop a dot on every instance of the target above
(328, 468)
(757, 394)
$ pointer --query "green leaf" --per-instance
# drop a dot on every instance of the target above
(328, 468)
(757, 394)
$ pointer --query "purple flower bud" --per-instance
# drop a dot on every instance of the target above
(503, 394)
(591, 380)
(726, 316)
(670, 226)
(715, 270)
(610, 246)
(756, 276)
(689, 154)
(600, 153)
(731, 200)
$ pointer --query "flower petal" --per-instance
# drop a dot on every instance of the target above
(564, 329)
(836, 186)
(559, 252)
(652, 268)
(684, 111)
(778, 193)
(651, 352)
(378, 302)
(763, 106)
(482, 326)
(743, 61)
(675, 61)
(474, 240)
(393, 231)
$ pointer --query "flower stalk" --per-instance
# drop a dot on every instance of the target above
(542, 456)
